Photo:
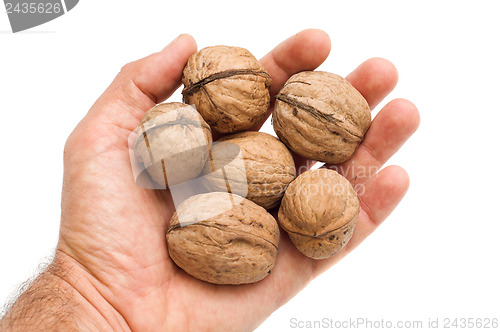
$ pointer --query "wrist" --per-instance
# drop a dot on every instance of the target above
(62, 297)
(97, 313)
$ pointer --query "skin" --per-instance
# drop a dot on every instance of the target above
(112, 266)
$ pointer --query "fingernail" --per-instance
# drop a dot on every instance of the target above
(173, 41)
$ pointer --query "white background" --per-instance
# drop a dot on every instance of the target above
(437, 255)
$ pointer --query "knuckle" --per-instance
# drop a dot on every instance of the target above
(68, 147)
(72, 142)
(128, 68)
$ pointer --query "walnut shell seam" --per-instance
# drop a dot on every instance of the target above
(323, 235)
(193, 88)
(221, 227)
(317, 114)
(181, 122)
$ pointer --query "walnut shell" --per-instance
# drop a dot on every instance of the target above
(228, 86)
(321, 116)
(223, 238)
(266, 171)
(319, 212)
(173, 143)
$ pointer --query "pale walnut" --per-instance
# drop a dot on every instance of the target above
(252, 164)
(228, 86)
(319, 212)
(173, 143)
(223, 238)
(321, 116)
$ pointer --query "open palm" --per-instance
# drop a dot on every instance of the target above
(113, 232)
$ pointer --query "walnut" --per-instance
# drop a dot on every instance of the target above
(228, 86)
(321, 116)
(223, 238)
(262, 177)
(319, 212)
(173, 143)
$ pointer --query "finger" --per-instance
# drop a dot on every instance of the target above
(302, 164)
(381, 194)
(304, 51)
(374, 79)
(390, 129)
(143, 83)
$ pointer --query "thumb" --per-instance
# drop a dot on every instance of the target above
(142, 84)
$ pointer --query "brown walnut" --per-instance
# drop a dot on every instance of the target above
(251, 164)
(228, 86)
(319, 212)
(223, 238)
(173, 143)
(321, 116)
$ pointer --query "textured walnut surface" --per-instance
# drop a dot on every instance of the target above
(173, 143)
(228, 86)
(223, 238)
(268, 167)
(321, 116)
(319, 212)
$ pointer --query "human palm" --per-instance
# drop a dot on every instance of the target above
(113, 231)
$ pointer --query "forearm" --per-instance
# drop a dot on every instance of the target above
(61, 299)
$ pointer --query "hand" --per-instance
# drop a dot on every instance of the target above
(112, 239)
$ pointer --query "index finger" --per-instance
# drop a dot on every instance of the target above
(304, 51)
